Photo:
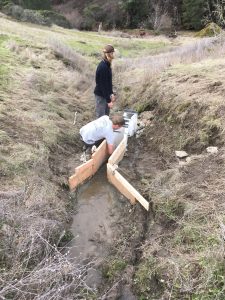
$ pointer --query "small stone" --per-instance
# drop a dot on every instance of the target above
(181, 154)
(212, 150)
(189, 159)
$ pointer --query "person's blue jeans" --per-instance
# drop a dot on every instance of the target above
(101, 108)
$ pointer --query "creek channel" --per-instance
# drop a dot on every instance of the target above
(102, 216)
(95, 215)
(93, 219)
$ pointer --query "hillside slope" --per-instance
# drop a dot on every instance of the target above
(181, 105)
(176, 251)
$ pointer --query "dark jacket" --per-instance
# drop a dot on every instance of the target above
(103, 80)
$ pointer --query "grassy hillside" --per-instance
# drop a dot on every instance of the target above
(182, 104)
(46, 76)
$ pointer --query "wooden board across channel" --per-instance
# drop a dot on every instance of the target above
(89, 168)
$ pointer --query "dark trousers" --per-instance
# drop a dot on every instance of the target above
(101, 108)
(87, 146)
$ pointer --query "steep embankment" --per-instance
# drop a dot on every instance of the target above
(182, 255)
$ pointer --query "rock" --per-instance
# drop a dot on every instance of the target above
(212, 150)
(189, 159)
(181, 154)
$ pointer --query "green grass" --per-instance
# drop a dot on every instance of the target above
(194, 238)
(171, 209)
(138, 48)
(90, 44)
(113, 268)
(146, 277)
(8, 62)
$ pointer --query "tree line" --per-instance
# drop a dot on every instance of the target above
(156, 14)
(152, 14)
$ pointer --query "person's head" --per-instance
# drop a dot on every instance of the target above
(117, 121)
(108, 52)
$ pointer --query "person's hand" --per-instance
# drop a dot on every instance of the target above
(113, 98)
(110, 104)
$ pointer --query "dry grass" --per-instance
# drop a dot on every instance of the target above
(133, 71)
(183, 254)
(40, 97)
(69, 56)
(53, 277)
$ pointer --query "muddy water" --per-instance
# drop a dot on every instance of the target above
(91, 225)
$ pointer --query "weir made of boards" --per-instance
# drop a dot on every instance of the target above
(89, 168)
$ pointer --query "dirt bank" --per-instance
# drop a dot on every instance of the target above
(183, 246)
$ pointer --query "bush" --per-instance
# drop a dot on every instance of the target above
(5, 3)
(42, 17)
(34, 17)
(55, 18)
(211, 29)
(15, 11)
(93, 14)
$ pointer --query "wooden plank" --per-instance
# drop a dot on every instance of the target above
(82, 173)
(118, 154)
(125, 187)
(100, 156)
(89, 168)
(111, 171)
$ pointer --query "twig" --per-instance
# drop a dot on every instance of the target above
(75, 118)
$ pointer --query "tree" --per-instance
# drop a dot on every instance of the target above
(218, 12)
(136, 11)
(194, 12)
(37, 4)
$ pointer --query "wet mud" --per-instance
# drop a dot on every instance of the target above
(93, 219)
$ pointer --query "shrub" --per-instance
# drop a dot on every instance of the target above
(15, 11)
(93, 14)
(55, 18)
(34, 17)
(211, 29)
(42, 17)
(5, 3)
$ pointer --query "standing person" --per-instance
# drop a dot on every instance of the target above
(103, 90)
(102, 128)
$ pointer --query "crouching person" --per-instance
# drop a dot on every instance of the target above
(96, 131)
